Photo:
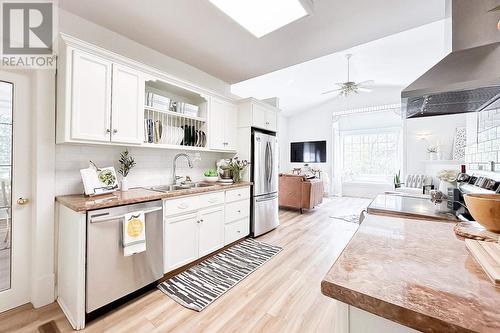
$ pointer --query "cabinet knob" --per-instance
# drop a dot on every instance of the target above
(22, 201)
(239, 211)
(108, 130)
(115, 131)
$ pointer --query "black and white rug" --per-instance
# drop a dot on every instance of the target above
(202, 284)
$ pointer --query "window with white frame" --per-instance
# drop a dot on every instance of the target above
(370, 155)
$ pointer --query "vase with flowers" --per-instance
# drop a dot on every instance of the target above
(237, 168)
(432, 151)
(447, 180)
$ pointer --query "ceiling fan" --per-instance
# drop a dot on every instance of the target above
(350, 87)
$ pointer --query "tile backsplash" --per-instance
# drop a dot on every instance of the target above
(154, 166)
(480, 155)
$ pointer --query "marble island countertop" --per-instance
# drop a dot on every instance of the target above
(416, 273)
(83, 203)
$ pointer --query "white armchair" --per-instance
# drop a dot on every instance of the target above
(415, 184)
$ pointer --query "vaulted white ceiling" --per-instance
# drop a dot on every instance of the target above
(196, 32)
(393, 62)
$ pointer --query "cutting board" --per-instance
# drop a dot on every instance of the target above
(487, 254)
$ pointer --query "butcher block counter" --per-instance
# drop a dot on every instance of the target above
(83, 203)
(416, 273)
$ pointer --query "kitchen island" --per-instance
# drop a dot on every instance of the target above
(402, 275)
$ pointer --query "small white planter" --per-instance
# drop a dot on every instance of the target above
(211, 179)
(433, 156)
(124, 184)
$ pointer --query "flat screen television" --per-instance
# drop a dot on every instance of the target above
(308, 152)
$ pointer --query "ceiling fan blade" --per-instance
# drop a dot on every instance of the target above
(367, 82)
(330, 91)
(363, 89)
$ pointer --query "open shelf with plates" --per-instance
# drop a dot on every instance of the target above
(174, 117)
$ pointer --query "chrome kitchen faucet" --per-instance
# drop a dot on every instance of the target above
(190, 164)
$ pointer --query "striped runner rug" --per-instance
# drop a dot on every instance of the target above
(202, 284)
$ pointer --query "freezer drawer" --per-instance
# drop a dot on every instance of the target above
(110, 275)
(265, 214)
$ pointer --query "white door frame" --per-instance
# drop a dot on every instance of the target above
(20, 291)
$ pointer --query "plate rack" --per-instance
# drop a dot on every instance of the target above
(163, 127)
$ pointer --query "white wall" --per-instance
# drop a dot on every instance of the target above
(440, 131)
(283, 144)
(154, 166)
(317, 124)
(309, 126)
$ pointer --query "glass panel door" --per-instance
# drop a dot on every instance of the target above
(6, 94)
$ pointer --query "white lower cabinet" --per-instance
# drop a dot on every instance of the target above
(198, 225)
(211, 230)
(181, 240)
(236, 230)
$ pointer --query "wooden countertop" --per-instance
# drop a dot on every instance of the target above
(416, 273)
(83, 203)
(408, 206)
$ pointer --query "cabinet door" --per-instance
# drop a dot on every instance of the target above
(181, 241)
(231, 126)
(211, 230)
(271, 120)
(127, 105)
(216, 123)
(259, 116)
(90, 97)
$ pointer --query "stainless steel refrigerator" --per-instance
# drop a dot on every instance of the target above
(265, 182)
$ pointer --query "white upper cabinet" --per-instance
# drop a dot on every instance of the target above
(90, 97)
(223, 122)
(255, 113)
(127, 101)
(99, 101)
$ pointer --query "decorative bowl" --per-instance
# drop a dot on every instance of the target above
(485, 209)
(211, 179)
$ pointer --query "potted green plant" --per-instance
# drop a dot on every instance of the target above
(397, 179)
(127, 162)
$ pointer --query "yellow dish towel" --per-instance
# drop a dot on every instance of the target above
(134, 233)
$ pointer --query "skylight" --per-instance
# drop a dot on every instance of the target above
(261, 17)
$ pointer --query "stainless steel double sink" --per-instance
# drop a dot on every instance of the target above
(179, 187)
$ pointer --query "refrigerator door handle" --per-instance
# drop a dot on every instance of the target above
(271, 163)
(266, 162)
(267, 198)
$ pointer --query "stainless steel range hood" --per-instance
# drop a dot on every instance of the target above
(469, 76)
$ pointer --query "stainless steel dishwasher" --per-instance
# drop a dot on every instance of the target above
(110, 274)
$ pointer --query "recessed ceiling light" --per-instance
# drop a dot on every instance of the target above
(261, 17)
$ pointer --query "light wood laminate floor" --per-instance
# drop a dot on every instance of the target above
(282, 296)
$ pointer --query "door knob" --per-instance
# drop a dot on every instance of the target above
(22, 201)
